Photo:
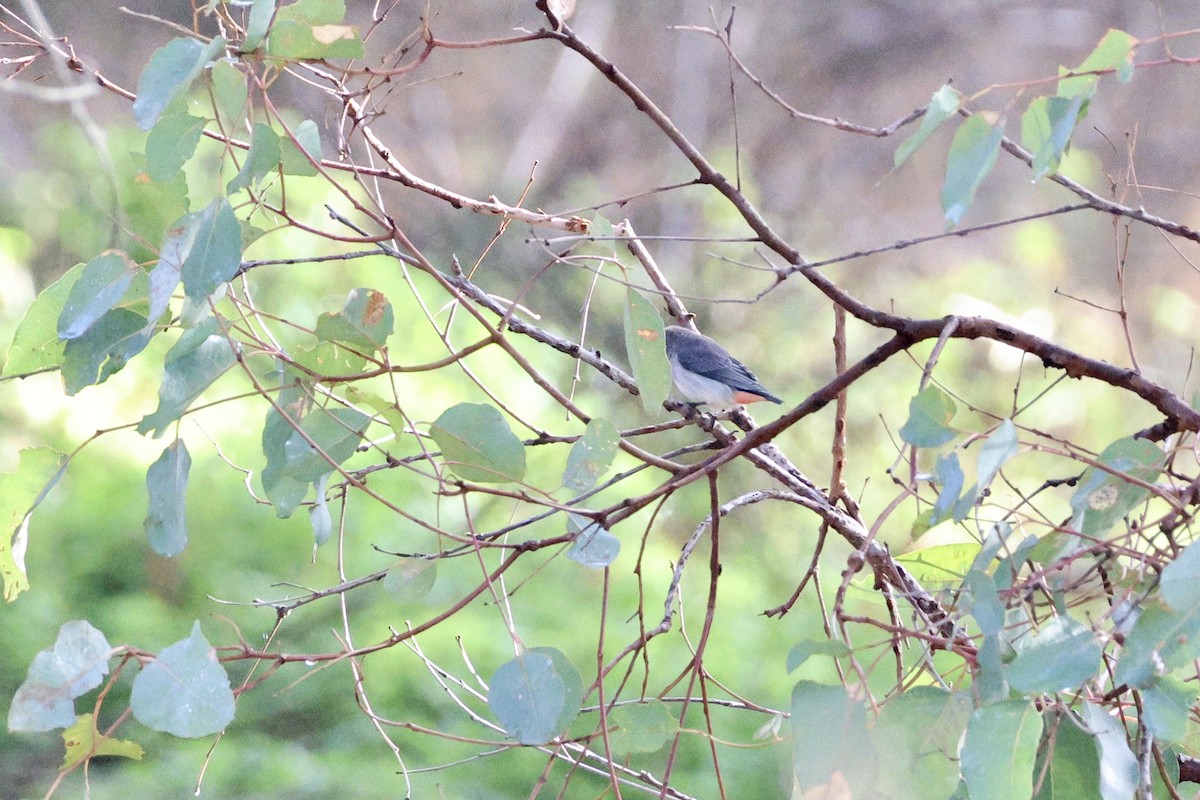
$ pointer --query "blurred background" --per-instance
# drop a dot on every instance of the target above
(476, 121)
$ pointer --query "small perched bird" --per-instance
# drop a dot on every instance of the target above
(704, 372)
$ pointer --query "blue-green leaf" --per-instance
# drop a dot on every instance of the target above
(229, 91)
(170, 72)
(75, 665)
(261, 160)
(536, 695)
(972, 156)
(166, 484)
(1104, 498)
(100, 287)
(945, 101)
(201, 355)
(642, 727)
(1180, 581)
(411, 579)
(1062, 655)
(1161, 640)
(949, 475)
(830, 741)
(929, 415)
(645, 344)
(801, 651)
(594, 546)
(1119, 768)
(1046, 128)
(917, 733)
(1166, 706)
(591, 455)
(478, 445)
(104, 349)
(336, 434)
(318, 514)
(216, 249)
(999, 750)
(171, 142)
(257, 24)
(997, 449)
(184, 691)
(296, 160)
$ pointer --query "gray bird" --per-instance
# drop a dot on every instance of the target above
(704, 372)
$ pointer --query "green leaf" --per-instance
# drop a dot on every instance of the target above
(184, 691)
(318, 514)
(330, 360)
(1166, 705)
(284, 491)
(1102, 498)
(1180, 581)
(261, 160)
(830, 741)
(972, 156)
(36, 345)
(945, 102)
(216, 249)
(166, 485)
(1046, 129)
(170, 72)
(940, 563)
(82, 741)
(1115, 52)
(591, 455)
(1161, 641)
(999, 750)
(336, 434)
(104, 349)
(296, 160)
(645, 344)
(929, 415)
(381, 406)
(100, 287)
(172, 141)
(1119, 769)
(20, 493)
(997, 449)
(1074, 769)
(642, 727)
(411, 579)
(297, 41)
(201, 355)
(536, 695)
(478, 445)
(75, 665)
(801, 651)
(364, 323)
(256, 25)
(949, 475)
(229, 89)
(594, 546)
(917, 733)
(167, 273)
(1062, 655)
(984, 602)
(313, 12)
